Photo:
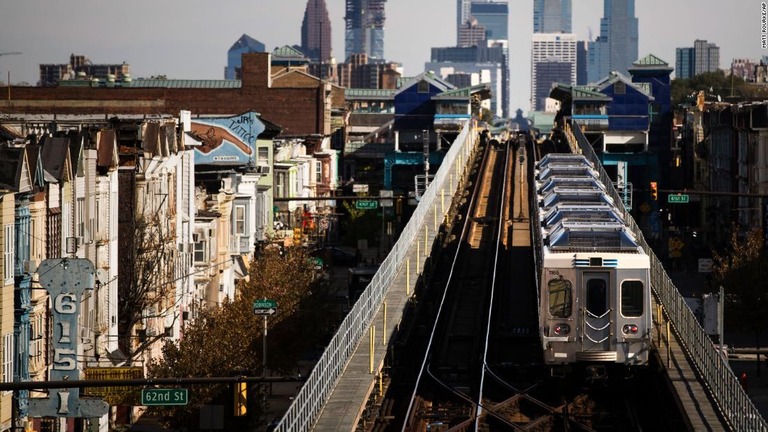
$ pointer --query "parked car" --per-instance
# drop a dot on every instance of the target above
(342, 255)
(336, 255)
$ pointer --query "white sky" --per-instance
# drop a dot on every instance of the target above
(190, 38)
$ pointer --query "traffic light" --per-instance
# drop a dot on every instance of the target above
(654, 191)
(241, 399)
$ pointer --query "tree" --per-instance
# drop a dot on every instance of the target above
(714, 84)
(147, 259)
(360, 224)
(227, 341)
(742, 271)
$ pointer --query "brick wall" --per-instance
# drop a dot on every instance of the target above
(297, 110)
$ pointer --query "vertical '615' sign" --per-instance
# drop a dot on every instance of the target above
(65, 340)
(66, 280)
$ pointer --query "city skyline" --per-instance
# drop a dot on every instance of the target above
(191, 42)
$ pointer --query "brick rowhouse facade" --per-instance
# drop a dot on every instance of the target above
(298, 109)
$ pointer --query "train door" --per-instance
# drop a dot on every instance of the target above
(596, 311)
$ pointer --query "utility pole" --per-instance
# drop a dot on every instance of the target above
(8, 84)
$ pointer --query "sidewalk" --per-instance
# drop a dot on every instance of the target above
(757, 385)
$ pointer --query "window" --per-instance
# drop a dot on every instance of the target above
(318, 172)
(200, 251)
(597, 297)
(8, 248)
(620, 87)
(632, 298)
(263, 156)
(280, 185)
(560, 298)
(80, 217)
(239, 216)
(423, 87)
(8, 358)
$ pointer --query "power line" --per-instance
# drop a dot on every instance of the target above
(35, 385)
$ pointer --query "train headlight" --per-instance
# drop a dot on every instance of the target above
(562, 329)
(629, 329)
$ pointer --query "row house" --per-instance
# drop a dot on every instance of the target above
(725, 153)
(157, 204)
(233, 162)
(66, 179)
(305, 168)
(97, 166)
(7, 204)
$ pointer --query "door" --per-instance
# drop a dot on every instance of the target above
(596, 311)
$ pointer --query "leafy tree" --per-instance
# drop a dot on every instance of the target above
(742, 271)
(714, 84)
(360, 224)
(227, 341)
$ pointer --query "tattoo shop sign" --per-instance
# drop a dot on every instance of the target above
(226, 140)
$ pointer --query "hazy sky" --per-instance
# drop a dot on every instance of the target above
(190, 38)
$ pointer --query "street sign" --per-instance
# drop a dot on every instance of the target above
(264, 307)
(366, 204)
(175, 396)
(678, 198)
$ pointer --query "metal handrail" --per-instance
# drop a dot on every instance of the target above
(734, 403)
(309, 402)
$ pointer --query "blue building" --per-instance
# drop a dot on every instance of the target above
(414, 107)
(429, 114)
(245, 44)
(616, 47)
(16, 177)
(552, 16)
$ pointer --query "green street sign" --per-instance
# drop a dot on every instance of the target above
(264, 304)
(264, 307)
(175, 396)
(677, 199)
(366, 204)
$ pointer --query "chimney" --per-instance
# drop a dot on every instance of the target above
(256, 71)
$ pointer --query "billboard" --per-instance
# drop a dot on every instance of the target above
(226, 140)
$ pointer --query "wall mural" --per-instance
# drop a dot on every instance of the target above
(226, 140)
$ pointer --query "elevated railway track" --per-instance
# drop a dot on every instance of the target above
(446, 368)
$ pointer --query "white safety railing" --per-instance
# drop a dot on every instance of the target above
(308, 403)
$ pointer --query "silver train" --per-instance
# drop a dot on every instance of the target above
(595, 291)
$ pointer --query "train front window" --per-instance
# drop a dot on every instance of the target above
(632, 298)
(597, 297)
(560, 298)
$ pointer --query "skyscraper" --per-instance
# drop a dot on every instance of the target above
(494, 16)
(552, 16)
(553, 59)
(553, 51)
(692, 61)
(481, 27)
(462, 16)
(365, 28)
(616, 47)
(245, 44)
(316, 32)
